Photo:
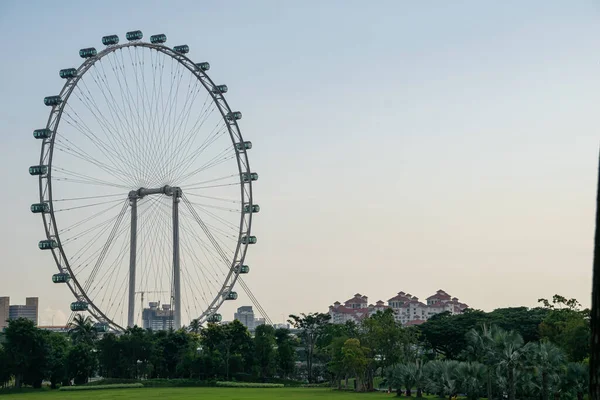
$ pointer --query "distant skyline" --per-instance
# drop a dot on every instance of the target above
(400, 145)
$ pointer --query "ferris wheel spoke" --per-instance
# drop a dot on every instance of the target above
(80, 264)
(105, 250)
(120, 112)
(116, 272)
(186, 152)
(81, 155)
(108, 131)
(85, 178)
(173, 123)
(211, 275)
(181, 123)
(125, 105)
(121, 128)
(208, 232)
(87, 219)
(100, 145)
(220, 158)
(233, 228)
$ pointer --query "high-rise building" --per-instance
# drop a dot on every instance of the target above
(157, 318)
(4, 311)
(28, 311)
(245, 315)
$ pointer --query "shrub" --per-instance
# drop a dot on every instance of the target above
(250, 385)
(111, 381)
(98, 387)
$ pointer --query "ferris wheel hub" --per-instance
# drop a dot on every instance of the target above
(166, 190)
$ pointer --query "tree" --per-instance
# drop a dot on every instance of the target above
(525, 321)
(408, 375)
(5, 372)
(26, 352)
(82, 362)
(59, 347)
(472, 377)
(264, 350)
(449, 377)
(286, 352)
(576, 380)
(82, 330)
(510, 350)
(446, 333)
(432, 372)
(482, 348)
(109, 356)
(567, 326)
(385, 337)
(135, 349)
(548, 362)
(311, 328)
(195, 326)
(355, 361)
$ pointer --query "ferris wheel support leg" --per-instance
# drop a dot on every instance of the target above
(132, 256)
(176, 269)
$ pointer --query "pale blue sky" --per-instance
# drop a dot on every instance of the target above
(401, 145)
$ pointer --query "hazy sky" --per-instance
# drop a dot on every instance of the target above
(401, 145)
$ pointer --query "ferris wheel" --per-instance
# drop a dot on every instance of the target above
(145, 188)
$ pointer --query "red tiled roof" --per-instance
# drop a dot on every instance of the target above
(414, 322)
(356, 300)
(440, 295)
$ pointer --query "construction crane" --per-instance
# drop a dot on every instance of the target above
(149, 291)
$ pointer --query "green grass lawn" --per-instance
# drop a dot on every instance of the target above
(197, 393)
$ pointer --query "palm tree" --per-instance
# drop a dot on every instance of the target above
(548, 361)
(195, 326)
(432, 372)
(510, 353)
(82, 330)
(483, 349)
(472, 376)
(449, 377)
(577, 380)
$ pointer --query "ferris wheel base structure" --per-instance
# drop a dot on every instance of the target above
(144, 102)
(134, 196)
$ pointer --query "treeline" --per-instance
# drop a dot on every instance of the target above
(30, 356)
(530, 353)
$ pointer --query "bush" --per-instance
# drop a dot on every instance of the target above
(111, 381)
(250, 385)
(159, 382)
(98, 387)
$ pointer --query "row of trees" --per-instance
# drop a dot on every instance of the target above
(30, 355)
(529, 353)
(499, 363)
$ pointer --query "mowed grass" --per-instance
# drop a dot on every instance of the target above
(197, 393)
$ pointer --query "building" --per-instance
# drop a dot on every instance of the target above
(354, 309)
(29, 310)
(408, 310)
(245, 314)
(157, 318)
(4, 311)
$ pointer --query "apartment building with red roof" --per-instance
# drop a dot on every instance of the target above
(408, 310)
